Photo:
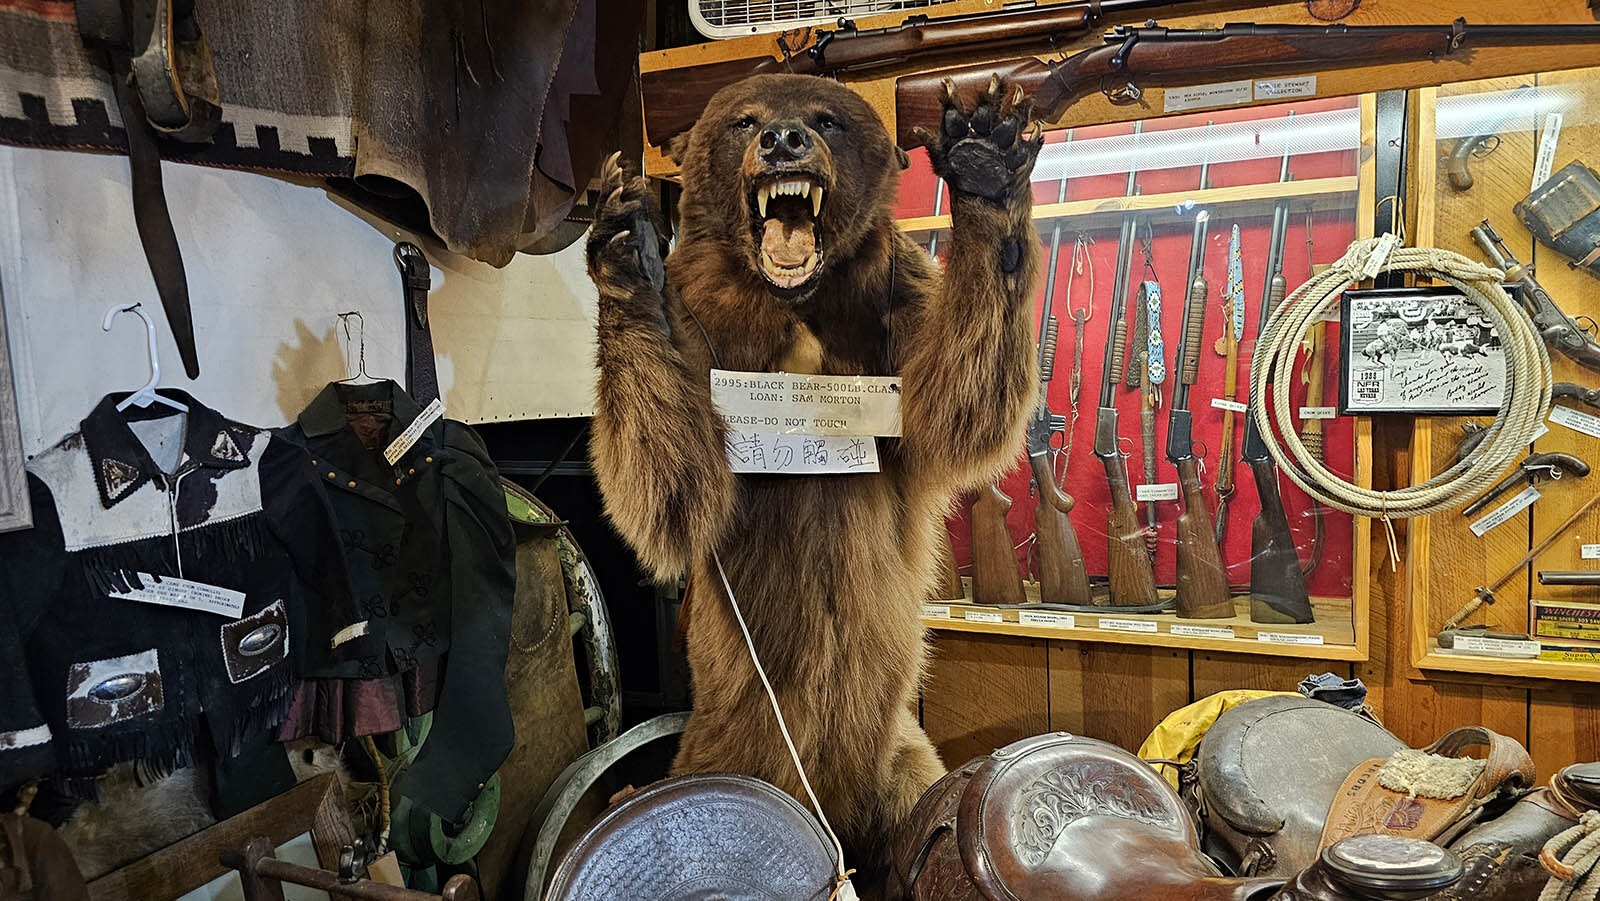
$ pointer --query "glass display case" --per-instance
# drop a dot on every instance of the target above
(1129, 215)
(1514, 588)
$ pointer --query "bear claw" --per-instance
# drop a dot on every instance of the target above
(985, 151)
(624, 253)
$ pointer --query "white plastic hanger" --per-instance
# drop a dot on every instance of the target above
(147, 395)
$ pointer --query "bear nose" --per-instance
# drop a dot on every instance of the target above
(785, 141)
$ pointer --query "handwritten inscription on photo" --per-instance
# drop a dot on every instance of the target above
(1419, 350)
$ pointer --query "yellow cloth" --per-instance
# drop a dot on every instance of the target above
(1178, 736)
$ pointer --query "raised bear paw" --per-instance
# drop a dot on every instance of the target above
(983, 151)
(625, 248)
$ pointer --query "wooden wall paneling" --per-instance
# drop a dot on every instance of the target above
(1563, 728)
(1220, 672)
(1116, 693)
(983, 692)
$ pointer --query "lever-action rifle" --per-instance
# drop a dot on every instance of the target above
(1202, 582)
(1277, 584)
(674, 98)
(1063, 578)
(1558, 330)
(1133, 584)
(1150, 54)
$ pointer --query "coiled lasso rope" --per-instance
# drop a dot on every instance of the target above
(1523, 404)
(1572, 874)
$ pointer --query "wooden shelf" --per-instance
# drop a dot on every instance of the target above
(1562, 670)
(1333, 626)
(1330, 193)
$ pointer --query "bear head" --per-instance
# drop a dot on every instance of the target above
(794, 171)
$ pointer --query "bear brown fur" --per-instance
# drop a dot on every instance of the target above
(830, 570)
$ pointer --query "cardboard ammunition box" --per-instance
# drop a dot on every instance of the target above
(1572, 622)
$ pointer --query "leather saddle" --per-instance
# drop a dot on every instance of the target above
(1062, 816)
(699, 838)
(1501, 856)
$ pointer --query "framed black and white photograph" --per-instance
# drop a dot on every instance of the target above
(1424, 351)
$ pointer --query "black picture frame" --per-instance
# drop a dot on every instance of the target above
(1429, 304)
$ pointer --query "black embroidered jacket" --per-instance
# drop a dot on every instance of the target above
(114, 679)
(432, 562)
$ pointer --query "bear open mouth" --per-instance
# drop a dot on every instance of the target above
(787, 207)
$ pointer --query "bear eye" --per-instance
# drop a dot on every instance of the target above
(744, 122)
(826, 122)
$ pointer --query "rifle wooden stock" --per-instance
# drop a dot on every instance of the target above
(995, 576)
(1127, 562)
(947, 585)
(1155, 55)
(1063, 578)
(1202, 581)
(1277, 587)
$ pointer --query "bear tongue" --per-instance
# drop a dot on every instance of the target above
(789, 244)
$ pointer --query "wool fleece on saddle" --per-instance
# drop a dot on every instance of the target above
(788, 259)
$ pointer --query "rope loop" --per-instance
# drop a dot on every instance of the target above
(1523, 406)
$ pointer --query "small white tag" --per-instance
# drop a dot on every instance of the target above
(1333, 313)
(1539, 432)
(1380, 255)
(1222, 93)
(1288, 638)
(1128, 625)
(427, 417)
(1161, 491)
(1518, 503)
(1318, 412)
(1589, 552)
(780, 454)
(935, 611)
(1285, 88)
(1545, 159)
(175, 592)
(1576, 420)
(982, 616)
(1232, 406)
(1046, 618)
(787, 403)
(1500, 647)
(1189, 631)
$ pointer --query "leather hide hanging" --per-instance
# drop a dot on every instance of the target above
(426, 113)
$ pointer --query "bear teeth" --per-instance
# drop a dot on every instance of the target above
(796, 188)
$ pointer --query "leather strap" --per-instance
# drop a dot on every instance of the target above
(422, 374)
(1362, 806)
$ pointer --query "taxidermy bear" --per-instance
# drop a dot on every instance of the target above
(813, 277)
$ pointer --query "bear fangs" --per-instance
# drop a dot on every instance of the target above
(799, 188)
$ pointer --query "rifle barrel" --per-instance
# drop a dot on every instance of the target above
(1119, 287)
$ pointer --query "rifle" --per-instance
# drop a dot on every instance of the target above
(1277, 584)
(1313, 375)
(1558, 330)
(1202, 582)
(1228, 347)
(1582, 578)
(995, 577)
(1151, 54)
(1133, 584)
(674, 98)
(1063, 578)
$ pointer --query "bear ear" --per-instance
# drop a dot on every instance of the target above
(677, 147)
(903, 158)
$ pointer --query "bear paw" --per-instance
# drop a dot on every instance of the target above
(984, 151)
(625, 249)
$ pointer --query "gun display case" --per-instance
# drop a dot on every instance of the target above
(1480, 148)
(1303, 171)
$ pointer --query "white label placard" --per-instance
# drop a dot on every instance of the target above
(1222, 93)
(1128, 625)
(1539, 431)
(1545, 160)
(935, 611)
(1590, 552)
(779, 454)
(1318, 412)
(1288, 638)
(787, 403)
(175, 592)
(1285, 88)
(1232, 406)
(1380, 254)
(398, 447)
(1576, 420)
(982, 616)
(1500, 647)
(1046, 618)
(1161, 491)
(1189, 631)
(1518, 503)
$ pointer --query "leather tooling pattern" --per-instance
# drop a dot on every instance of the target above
(1062, 796)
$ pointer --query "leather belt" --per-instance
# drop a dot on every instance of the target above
(422, 372)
